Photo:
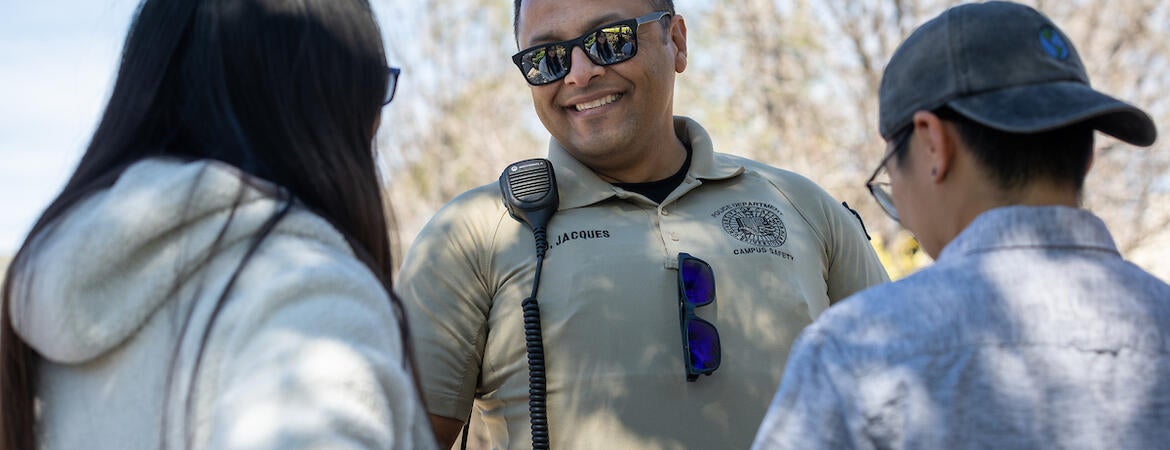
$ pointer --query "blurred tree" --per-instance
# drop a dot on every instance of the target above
(796, 85)
(462, 112)
(789, 82)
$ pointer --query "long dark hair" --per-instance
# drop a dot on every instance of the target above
(288, 91)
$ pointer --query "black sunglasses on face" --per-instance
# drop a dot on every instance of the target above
(696, 287)
(391, 84)
(605, 45)
(880, 190)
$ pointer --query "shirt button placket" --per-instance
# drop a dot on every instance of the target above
(670, 237)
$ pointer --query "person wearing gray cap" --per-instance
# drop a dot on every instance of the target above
(1030, 330)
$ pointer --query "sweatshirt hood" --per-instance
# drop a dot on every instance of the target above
(97, 273)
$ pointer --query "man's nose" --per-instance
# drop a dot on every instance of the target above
(582, 69)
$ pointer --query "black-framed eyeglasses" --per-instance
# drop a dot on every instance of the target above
(700, 339)
(880, 187)
(391, 84)
(605, 45)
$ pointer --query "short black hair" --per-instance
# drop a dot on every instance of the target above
(1061, 155)
(901, 142)
(659, 5)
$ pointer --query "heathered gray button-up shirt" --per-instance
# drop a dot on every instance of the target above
(1030, 331)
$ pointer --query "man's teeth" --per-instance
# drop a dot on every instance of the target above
(599, 102)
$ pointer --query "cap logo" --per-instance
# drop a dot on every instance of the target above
(1053, 44)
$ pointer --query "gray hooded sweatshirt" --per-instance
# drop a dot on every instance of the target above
(116, 297)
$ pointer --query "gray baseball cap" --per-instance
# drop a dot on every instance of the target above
(1003, 65)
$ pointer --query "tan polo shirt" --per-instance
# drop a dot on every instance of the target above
(781, 248)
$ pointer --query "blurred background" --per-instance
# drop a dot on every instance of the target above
(789, 82)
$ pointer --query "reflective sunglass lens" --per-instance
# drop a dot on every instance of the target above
(546, 64)
(590, 43)
(698, 282)
(612, 45)
(608, 45)
(703, 341)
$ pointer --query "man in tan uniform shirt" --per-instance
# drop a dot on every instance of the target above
(637, 187)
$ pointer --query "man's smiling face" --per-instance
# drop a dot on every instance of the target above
(605, 116)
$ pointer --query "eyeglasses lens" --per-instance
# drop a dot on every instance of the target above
(881, 193)
(391, 84)
(879, 183)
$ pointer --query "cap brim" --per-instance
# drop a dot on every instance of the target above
(1043, 107)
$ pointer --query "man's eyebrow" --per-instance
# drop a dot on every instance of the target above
(598, 22)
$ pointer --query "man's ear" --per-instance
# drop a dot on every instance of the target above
(678, 36)
(941, 142)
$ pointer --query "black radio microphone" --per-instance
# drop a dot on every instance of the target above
(529, 190)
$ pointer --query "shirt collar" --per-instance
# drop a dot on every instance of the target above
(579, 186)
(1031, 227)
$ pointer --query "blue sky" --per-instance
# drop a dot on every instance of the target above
(57, 61)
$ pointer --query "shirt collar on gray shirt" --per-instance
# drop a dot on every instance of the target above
(1031, 227)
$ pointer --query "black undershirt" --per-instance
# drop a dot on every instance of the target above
(658, 190)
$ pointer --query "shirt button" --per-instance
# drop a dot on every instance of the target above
(666, 212)
(674, 236)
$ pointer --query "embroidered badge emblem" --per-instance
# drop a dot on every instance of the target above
(755, 224)
(1052, 43)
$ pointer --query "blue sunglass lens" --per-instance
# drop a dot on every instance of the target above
(698, 282)
(696, 286)
(703, 343)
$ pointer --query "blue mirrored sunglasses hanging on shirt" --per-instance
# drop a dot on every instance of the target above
(696, 288)
(605, 45)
